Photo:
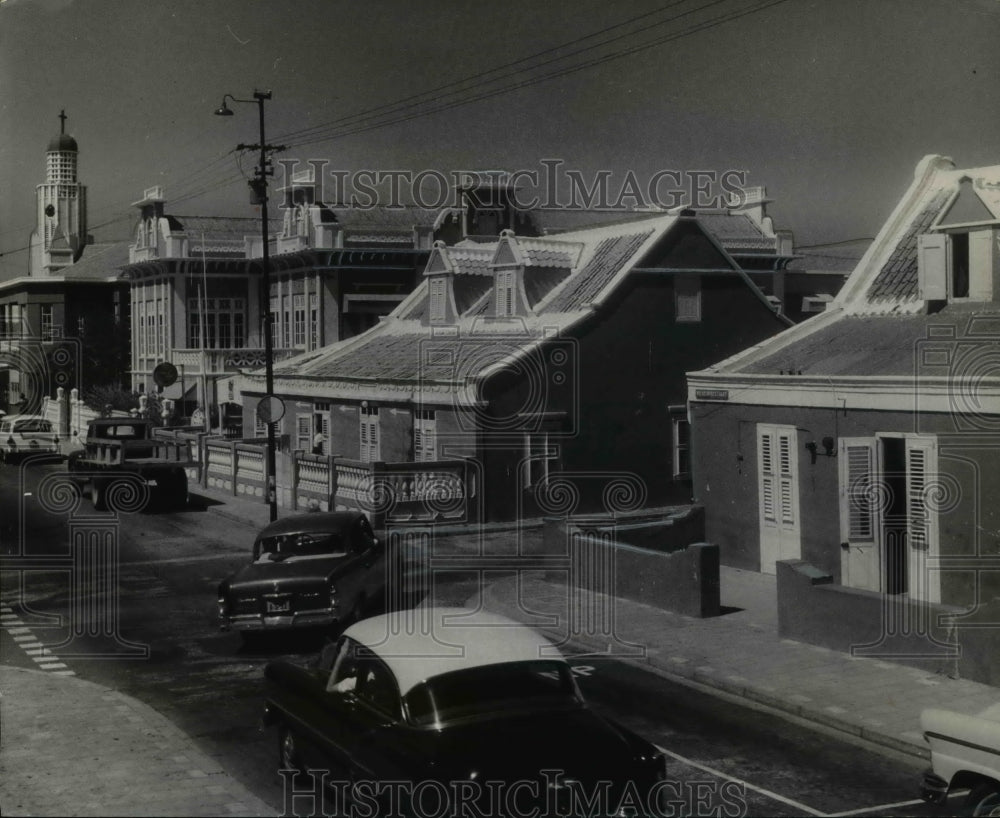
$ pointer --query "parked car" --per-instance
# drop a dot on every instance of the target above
(450, 699)
(965, 754)
(317, 569)
(21, 435)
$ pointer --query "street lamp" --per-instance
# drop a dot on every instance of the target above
(259, 188)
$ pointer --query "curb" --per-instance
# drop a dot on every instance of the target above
(708, 682)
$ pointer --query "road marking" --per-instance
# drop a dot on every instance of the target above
(26, 640)
(178, 560)
(768, 793)
(883, 807)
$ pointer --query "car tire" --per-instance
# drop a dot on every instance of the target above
(288, 751)
(984, 800)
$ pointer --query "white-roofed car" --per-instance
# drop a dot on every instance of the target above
(455, 704)
(965, 754)
(23, 435)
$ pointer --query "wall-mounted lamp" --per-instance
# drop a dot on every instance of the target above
(829, 448)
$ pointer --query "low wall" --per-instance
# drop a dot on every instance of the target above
(674, 532)
(936, 638)
(685, 580)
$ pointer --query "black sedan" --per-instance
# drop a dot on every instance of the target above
(447, 707)
(317, 569)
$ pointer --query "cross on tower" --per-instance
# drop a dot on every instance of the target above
(62, 121)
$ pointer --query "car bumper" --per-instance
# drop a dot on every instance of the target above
(295, 619)
(933, 788)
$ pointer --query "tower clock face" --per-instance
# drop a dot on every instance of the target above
(50, 211)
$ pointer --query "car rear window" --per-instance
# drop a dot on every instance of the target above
(542, 684)
(311, 544)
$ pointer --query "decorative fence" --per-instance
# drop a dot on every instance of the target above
(397, 493)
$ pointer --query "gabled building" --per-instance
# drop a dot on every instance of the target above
(866, 440)
(551, 367)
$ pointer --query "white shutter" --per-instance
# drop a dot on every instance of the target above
(932, 266)
(921, 519)
(365, 454)
(856, 490)
(767, 475)
(373, 436)
(786, 478)
(916, 497)
(303, 432)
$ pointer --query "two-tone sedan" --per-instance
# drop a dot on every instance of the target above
(308, 570)
(415, 707)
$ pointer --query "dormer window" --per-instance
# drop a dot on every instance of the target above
(959, 265)
(505, 281)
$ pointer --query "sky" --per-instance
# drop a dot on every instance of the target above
(830, 104)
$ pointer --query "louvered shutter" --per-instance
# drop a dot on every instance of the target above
(767, 477)
(916, 497)
(856, 486)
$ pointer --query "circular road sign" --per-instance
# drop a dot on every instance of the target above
(271, 409)
(165, 374)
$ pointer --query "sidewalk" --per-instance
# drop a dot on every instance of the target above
(740, 654)
(72, 747)
(737, 654)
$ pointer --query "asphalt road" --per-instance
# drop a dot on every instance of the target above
(166, 650)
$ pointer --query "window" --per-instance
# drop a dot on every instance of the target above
(303, 432)
(959, 283)
(369, 434)
(424, 435)
(438, 288)
(286, 322)
(46, 322)
(299, 321)
(681, 448)
(537, 456)
(223, 321)
(688, 299)
(313, 321)
(505, 292)
(957, 265)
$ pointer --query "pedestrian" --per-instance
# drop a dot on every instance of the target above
(318, 441)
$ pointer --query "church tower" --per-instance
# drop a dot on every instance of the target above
(61, 209)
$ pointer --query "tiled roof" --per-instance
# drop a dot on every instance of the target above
(552, 222)
(385, 218)
(414, 356)
(897, 280)
(737, 231)
(98, 261)
(863, 345)
(224, 228)
(471, 260)
(607, 260)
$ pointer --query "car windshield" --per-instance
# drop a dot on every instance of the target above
(33, 425)
(292, 546)
(542, 684)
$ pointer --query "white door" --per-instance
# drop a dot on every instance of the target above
(922, 482)
(777, 460)
(859, 514)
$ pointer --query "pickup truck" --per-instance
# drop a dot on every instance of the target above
(117, 446)
(965, 754)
